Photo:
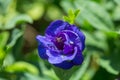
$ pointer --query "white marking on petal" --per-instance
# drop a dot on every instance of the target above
(71, 42)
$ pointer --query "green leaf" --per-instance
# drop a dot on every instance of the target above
(71, 16)
(8, 60)
(91, 12)
(77, 12)
(96, 39)
(114, 53)
(35, 11)
(48, 72)
(17, 20)
(110, 60)
(15, 35)
(105, 63)
(117, 1)
(3, 39)
(63, 74)
(2, 56)
(57, 12)
(113, 34)
(66, 18)
(116, 13)
(21, 66)
(4, 4)
(29, 76)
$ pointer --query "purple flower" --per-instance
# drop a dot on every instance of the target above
(62, 45)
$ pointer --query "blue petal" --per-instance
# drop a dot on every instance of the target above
(42, 51)
(43, 45)
(55, 27)
(71, 56)
(80, 34)
(54, 57)
(71, 35)
(82, 38)
(78, 58)
(64, 65)
(68, 49)
(44, 40)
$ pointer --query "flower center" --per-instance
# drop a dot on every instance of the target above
(64, 44)
(59, 39)
(59, 42)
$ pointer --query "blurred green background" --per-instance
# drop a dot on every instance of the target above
(22, 20)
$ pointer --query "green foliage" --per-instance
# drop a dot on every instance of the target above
(106, 64)
(3, 39)
(117, 2)
(63, 74)
(2, 56)
(91, 12)
(4, 4)
(22, 20)
(17, 20)
(16, 34)
(71, 16)
(21, 67)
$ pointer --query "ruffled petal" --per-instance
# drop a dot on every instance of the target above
(43, 39)
(54, 57)
(42, 51)
(71, 35)
(71, 56)
(80, 34)
(43, 45)
(68, 49)
(58, 57)
(64, 65)
(55, 27)
(78, 58)
(82, 38)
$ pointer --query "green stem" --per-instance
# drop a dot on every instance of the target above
(63, 74)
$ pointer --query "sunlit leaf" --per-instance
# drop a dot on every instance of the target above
(57, 13)
(36, 11)
(116, 12)
(22, 66)
(117, 1)
(15, 35)
(17, 20)
(3, 39)
(96, 39)
(29, 76)
(2, 56)
(71, 16)
(4, 4)
(90, 11)
(106, 64)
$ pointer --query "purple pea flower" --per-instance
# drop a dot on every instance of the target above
(62, 45)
